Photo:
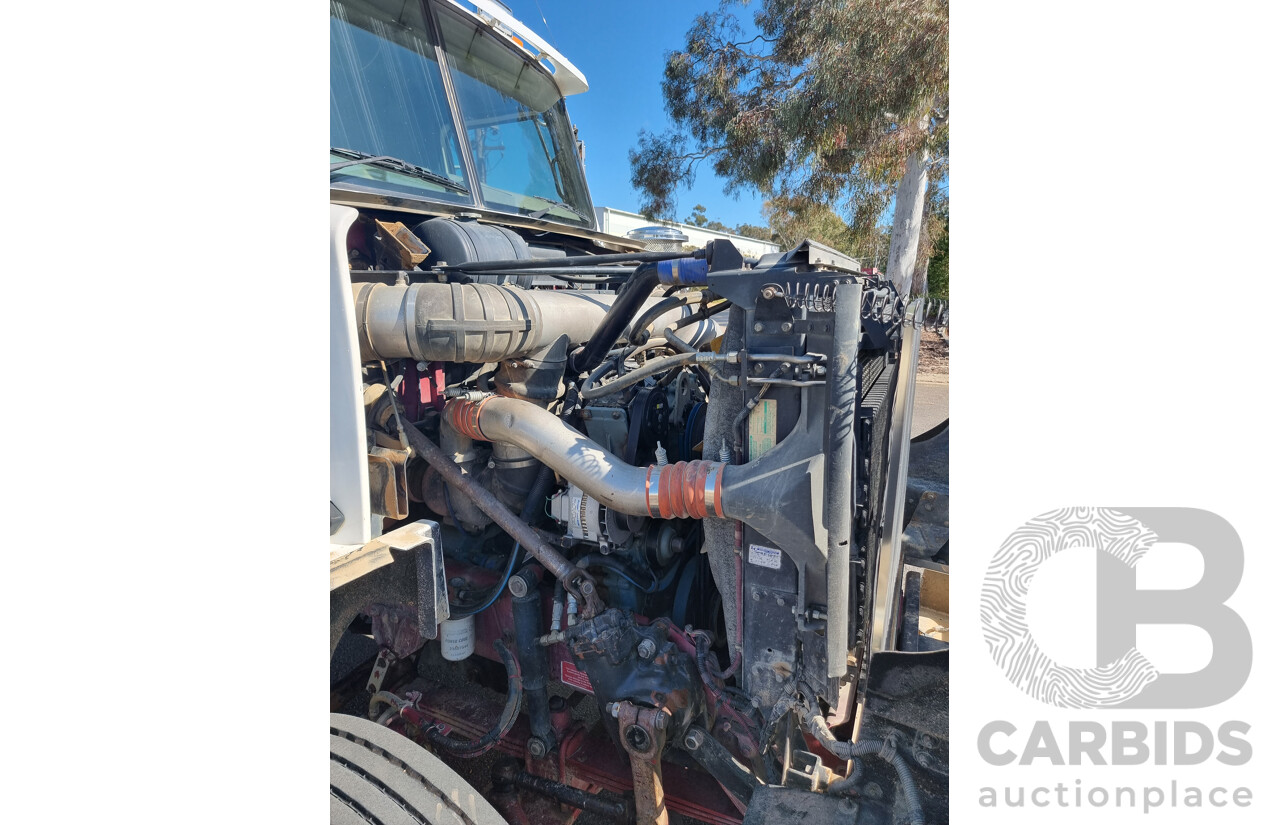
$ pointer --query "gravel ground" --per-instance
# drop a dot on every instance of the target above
(934, 358)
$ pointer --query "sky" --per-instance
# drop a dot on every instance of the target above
(620, 47)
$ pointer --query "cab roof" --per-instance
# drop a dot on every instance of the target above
(568, 79)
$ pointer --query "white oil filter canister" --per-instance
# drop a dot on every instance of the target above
(458, 638)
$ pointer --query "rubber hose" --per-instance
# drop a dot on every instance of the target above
(869, 747)
(703, 641)
(653, 367)
(468, 748)
(630, 298)
(610, 563)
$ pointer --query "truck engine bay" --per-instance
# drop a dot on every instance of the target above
(616, 533)
(663, 500)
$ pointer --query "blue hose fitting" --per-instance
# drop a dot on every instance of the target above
(683, 271)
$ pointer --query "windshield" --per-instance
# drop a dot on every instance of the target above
(517, 128)
(387, 97)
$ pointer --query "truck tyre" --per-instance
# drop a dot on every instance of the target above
(379, 776)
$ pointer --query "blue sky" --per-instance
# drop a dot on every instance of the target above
(620, 47)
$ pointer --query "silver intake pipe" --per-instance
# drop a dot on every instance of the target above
(681, 490)
(483, 323)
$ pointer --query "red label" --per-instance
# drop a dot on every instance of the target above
(574, 678)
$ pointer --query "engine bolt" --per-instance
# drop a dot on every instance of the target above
(518, 586)
(617, 414)
(537, 748)
(758, 327)
(691, 742)
(423, 366)
(646, 649)
(786, 326)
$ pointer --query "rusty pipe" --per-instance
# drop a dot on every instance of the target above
(575, 580)
(689, 489)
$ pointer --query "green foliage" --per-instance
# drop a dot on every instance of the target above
(823, 105)
(939, 275)
(760, 233)
(717, 226)
(792, 220)
(698, 217)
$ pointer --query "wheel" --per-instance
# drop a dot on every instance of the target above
(378, 776)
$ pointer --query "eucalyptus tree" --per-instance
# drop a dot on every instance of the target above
(841, 104)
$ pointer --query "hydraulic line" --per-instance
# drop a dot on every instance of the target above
(653, 367)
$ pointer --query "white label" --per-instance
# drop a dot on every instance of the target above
(762, 429)
(765, 556)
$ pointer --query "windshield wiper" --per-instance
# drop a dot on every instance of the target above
(394, 164)
(556, 205)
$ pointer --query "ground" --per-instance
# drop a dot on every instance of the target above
(932, 383)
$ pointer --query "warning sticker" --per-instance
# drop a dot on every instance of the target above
(762, 429)
(574, 678)
(765, 556)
